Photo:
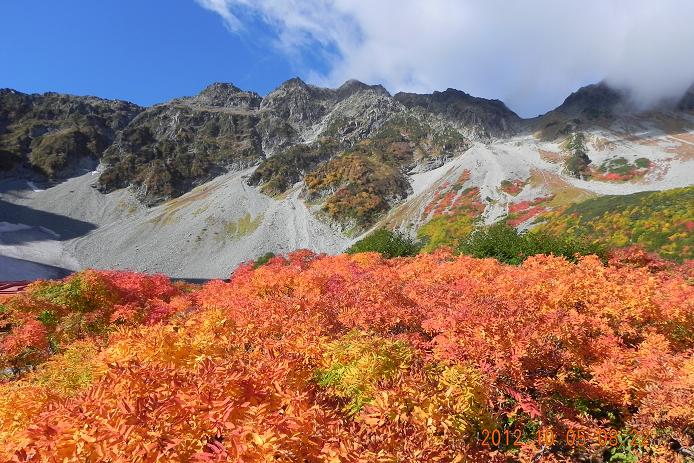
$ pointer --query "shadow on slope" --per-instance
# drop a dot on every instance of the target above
(66, 227)
(14, 269)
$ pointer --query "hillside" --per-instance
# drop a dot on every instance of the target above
(659, 221)
(354, 359)
(194, 186)
(53, 136)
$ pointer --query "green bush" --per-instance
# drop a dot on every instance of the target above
(264, 259)
(507, 245)
(389, 244)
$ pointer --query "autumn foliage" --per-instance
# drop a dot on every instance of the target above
(660, 221)
(350, 358)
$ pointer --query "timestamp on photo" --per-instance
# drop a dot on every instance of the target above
(571, 437)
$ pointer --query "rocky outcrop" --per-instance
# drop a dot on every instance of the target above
(51, 135)
(686, 103)
(297, 112)
(359, 116)
(170, 148)
(593, 101)
(475, 117)
(588, 106)
(223, 95)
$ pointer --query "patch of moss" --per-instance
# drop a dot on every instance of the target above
(242, 227)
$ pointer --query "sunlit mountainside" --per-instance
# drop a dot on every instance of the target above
(197, 185)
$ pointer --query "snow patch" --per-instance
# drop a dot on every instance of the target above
(34, 188)
(50, 232)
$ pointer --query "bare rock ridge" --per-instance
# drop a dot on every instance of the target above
(224, 95)
(593, 101)
(477, 116)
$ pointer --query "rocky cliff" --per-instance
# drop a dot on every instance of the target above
(51, 135)
(170, 148)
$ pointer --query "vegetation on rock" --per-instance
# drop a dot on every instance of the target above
(621, 170)
(446, 230)
(169, 149)
(577, 162)
(52, 134)
(280, 172)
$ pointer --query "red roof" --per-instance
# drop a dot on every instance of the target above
(12, 287)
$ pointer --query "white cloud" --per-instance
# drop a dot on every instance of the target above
(221, 7)
(531, 53)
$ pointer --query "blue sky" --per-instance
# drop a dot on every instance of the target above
(531, 53)
(145, 51)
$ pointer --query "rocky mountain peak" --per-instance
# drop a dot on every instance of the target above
(686, 103)
(293, 108)
(295, 82)
(353, 86)
(593, 100)
(224, 95)
(479, 117)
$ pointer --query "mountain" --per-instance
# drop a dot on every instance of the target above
(193, 186)
(170, 148)
(476, 117)
(686, 103)
(52, 134)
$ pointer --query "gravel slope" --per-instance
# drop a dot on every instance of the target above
(203, 234)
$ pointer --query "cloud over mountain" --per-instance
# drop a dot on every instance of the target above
(531, 54)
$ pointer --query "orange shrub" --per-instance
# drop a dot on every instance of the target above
(357, 358)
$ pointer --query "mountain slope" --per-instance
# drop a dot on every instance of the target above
(51, 135)
(173, 147)
(194, 186)
(659, 221)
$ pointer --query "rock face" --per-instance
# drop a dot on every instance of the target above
(223, 95)
(51, 135)
(297, 112)
(588, 106)
(170, 148)
(593, 101)
(476, 117)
